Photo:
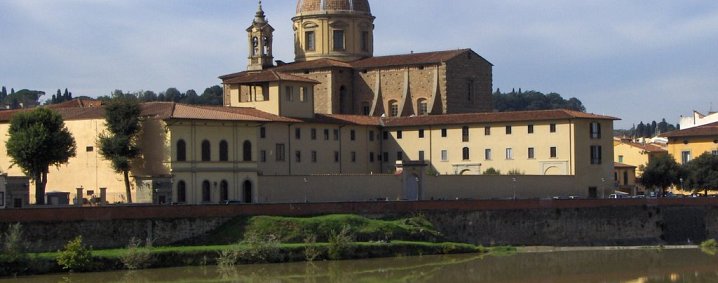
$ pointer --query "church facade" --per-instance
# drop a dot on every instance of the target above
(334, 46)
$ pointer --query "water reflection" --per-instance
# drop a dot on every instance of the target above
(629, 266)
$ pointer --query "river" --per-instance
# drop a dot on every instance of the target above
(629, 266)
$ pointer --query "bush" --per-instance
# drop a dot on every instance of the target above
(13, 244)
(492, 171)
(709, 244)
(228, 257)
(76, 256)
(311, 250)
(136, 256)
(340, 243)
(260, 249)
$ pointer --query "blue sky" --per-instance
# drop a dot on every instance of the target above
(637, 60)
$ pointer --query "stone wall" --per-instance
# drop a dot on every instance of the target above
(521, 222)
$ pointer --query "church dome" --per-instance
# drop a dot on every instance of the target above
(321, 6)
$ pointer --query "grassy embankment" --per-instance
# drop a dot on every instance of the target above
(272, 239)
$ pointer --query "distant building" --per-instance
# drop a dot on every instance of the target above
(636, 154)
(624, 176)
(690, 143)
(697, 119)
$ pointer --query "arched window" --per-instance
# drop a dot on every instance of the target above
(465, 134)
(181, 192)
(393, 108)
(223, 191)
(247, 191)
(181, 150)
(247, 151)
(206, 192)
(466, 154)
(206, 151)
(423, 107)
(223, 151)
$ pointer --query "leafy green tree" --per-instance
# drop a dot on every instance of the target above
(38, 140)
(534, 100)
(702, 173)
(213, 95)
(662, 172)
(119, 146)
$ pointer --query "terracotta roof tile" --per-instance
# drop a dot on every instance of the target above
(312, 65)
(473, 118)
(345, 120)
(700, 131)
(408, 59)
(621, 165)
(78, 102)
(646, 147)
(263, 76)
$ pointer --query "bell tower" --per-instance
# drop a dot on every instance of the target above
(260, 42)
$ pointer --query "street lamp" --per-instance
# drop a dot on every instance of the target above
(514, 187)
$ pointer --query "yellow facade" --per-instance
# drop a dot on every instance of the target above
(687, 148)
(636, 154)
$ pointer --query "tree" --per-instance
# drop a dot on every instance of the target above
(213, 95)
(119, 146)
(662, 172)
(38, 140)
(702, 173)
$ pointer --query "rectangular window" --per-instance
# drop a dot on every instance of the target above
(336, 134)
(279, 153)
(354, 156)
(314, 134)
(89, 149)
(298, 133)
(378, 156)
(531, 129)
(685, 157)
(423, 108)
(326, 134)
(552, 128)
(366, 110)
(553, 152)
(625, 178)
(620, 158)
(2, 198)
(531, 153)
(288, 93)
(444, 155)
(309, 40)
(353, 135)
(509, 154)
(385, 135)
(421, 133)
(298, 156)
(371, 157)
(465, 154)
(715, 153)
(314, 156)
(465, 134)
(336, 157)
(443, 133)
(487, 131)
(596, 154)
(365, 41)
(303, 93)
(371, 135)
(262, 133)
(508, 130)
(263, 156)
(399, 155)
(421, 155)
(386, 157)
(487, 154)
(399, 134)
(595, 130)
(338, 40)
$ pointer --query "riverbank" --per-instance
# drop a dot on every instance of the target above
(248, 240)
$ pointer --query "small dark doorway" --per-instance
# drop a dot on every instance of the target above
(247, 191)
(17, 203)
(592, 192)
(223, 191)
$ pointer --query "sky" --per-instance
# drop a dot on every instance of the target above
(637, 60)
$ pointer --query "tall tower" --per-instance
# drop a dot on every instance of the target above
(260, 42)
(337, 29)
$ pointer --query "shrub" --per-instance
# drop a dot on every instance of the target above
(492, 171)
(515, 172)
(136, 256)
(709, 244)
(260, 249)
(340, 243)
(13, 244)
(311, 250)
(76, 256)
(228, 257)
